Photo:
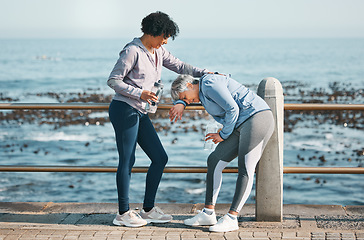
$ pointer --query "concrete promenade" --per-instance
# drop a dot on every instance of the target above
(73, 221)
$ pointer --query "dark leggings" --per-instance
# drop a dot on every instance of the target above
(132, 127)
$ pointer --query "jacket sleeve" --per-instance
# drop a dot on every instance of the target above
(220, 94)
(176, 65)
(123, 66)
(179, 101)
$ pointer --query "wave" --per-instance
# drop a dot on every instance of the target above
(61, 136)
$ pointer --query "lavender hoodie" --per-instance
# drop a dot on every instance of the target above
(136, 70)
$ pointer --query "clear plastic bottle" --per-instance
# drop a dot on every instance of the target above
(210, 128)
(157, 89)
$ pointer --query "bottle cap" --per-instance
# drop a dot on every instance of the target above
(158, 84)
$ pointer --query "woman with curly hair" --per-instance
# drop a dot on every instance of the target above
(136, 71)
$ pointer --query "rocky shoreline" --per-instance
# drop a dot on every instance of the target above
(294, 93)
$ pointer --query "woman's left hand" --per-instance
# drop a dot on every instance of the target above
(176, 112)
(215, 137)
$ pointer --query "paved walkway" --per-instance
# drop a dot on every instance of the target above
(71, 221)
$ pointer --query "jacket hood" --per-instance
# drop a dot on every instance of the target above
(136, 42)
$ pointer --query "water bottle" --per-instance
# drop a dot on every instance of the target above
(157, 89)
(209, 144)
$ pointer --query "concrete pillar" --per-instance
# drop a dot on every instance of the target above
(269, 173)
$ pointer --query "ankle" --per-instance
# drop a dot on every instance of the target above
(122, 212)
(208, 211)
(232, 216)
(147, 209)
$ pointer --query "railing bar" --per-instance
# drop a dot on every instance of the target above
(106, 169)
(105, 106)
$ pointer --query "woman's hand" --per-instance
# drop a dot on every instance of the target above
(214, 136)
(175, 113)
(149, 96)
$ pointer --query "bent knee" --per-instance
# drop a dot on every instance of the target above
(212, 160)
(163, 160)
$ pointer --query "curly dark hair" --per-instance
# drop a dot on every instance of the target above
(159, 23)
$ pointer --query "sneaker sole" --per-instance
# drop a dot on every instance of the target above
(117, 223)
(224, 230)
(157, 221)
(199, 224)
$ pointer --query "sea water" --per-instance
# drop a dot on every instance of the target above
(31, 70)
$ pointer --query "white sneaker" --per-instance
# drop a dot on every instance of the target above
(155, 216)
(129, 219)
(201, 219)
(225, 224)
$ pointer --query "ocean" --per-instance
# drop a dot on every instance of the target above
(76, 70)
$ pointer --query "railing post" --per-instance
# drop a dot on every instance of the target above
(269, 173)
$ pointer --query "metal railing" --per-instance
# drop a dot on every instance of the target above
(105, 106)
(175, 169)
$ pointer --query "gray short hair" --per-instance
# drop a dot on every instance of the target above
(179, 85)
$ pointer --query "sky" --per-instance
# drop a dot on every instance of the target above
(195, 18)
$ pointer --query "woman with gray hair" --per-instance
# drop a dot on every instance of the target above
(247, 126)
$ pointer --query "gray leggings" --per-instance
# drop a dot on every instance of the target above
(247, 142)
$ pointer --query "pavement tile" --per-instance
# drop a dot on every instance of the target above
(128, 238)
(202, 234)
(172, 233)
(346, 235)
(158, 237)
(217, 234)
(11, 237)
(70, 238)
(260, 234)
(73, 233)
(173, 237)
(258, 238)
(231, 238)
(113, 238)
(46, 232)
(5, 231)
(275, 234)
(159, 233)
(232, 234)
(114, 232)
(317, 238)
(288, 235)
(42, 236)
(145, 233)
(245, 234)
(304, 234)
(188, 234)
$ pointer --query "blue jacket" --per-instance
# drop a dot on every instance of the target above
(229, 102)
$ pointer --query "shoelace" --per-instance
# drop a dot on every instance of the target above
(134, 213)
(158, 210)
(222, 219)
